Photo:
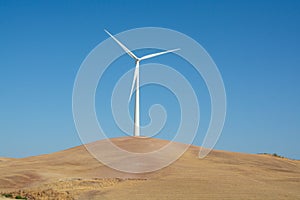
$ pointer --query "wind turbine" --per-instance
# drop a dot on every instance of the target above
(136, 80)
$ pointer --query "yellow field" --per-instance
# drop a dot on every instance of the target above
(75, 174)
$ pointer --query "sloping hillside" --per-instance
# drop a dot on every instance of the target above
(75, 174)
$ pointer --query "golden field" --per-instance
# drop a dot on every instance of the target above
(75, 174)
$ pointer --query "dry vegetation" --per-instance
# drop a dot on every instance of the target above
(69, 189)
(75, 174)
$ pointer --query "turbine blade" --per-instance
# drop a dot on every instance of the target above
(157, 54)
(134, 79)
(122, 45)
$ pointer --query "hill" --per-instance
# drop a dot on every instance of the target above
(75, 174)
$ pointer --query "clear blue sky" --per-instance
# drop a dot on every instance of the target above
(255, 44)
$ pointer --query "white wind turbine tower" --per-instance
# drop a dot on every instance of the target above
(136, 81)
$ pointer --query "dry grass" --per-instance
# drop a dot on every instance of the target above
(221, 175)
